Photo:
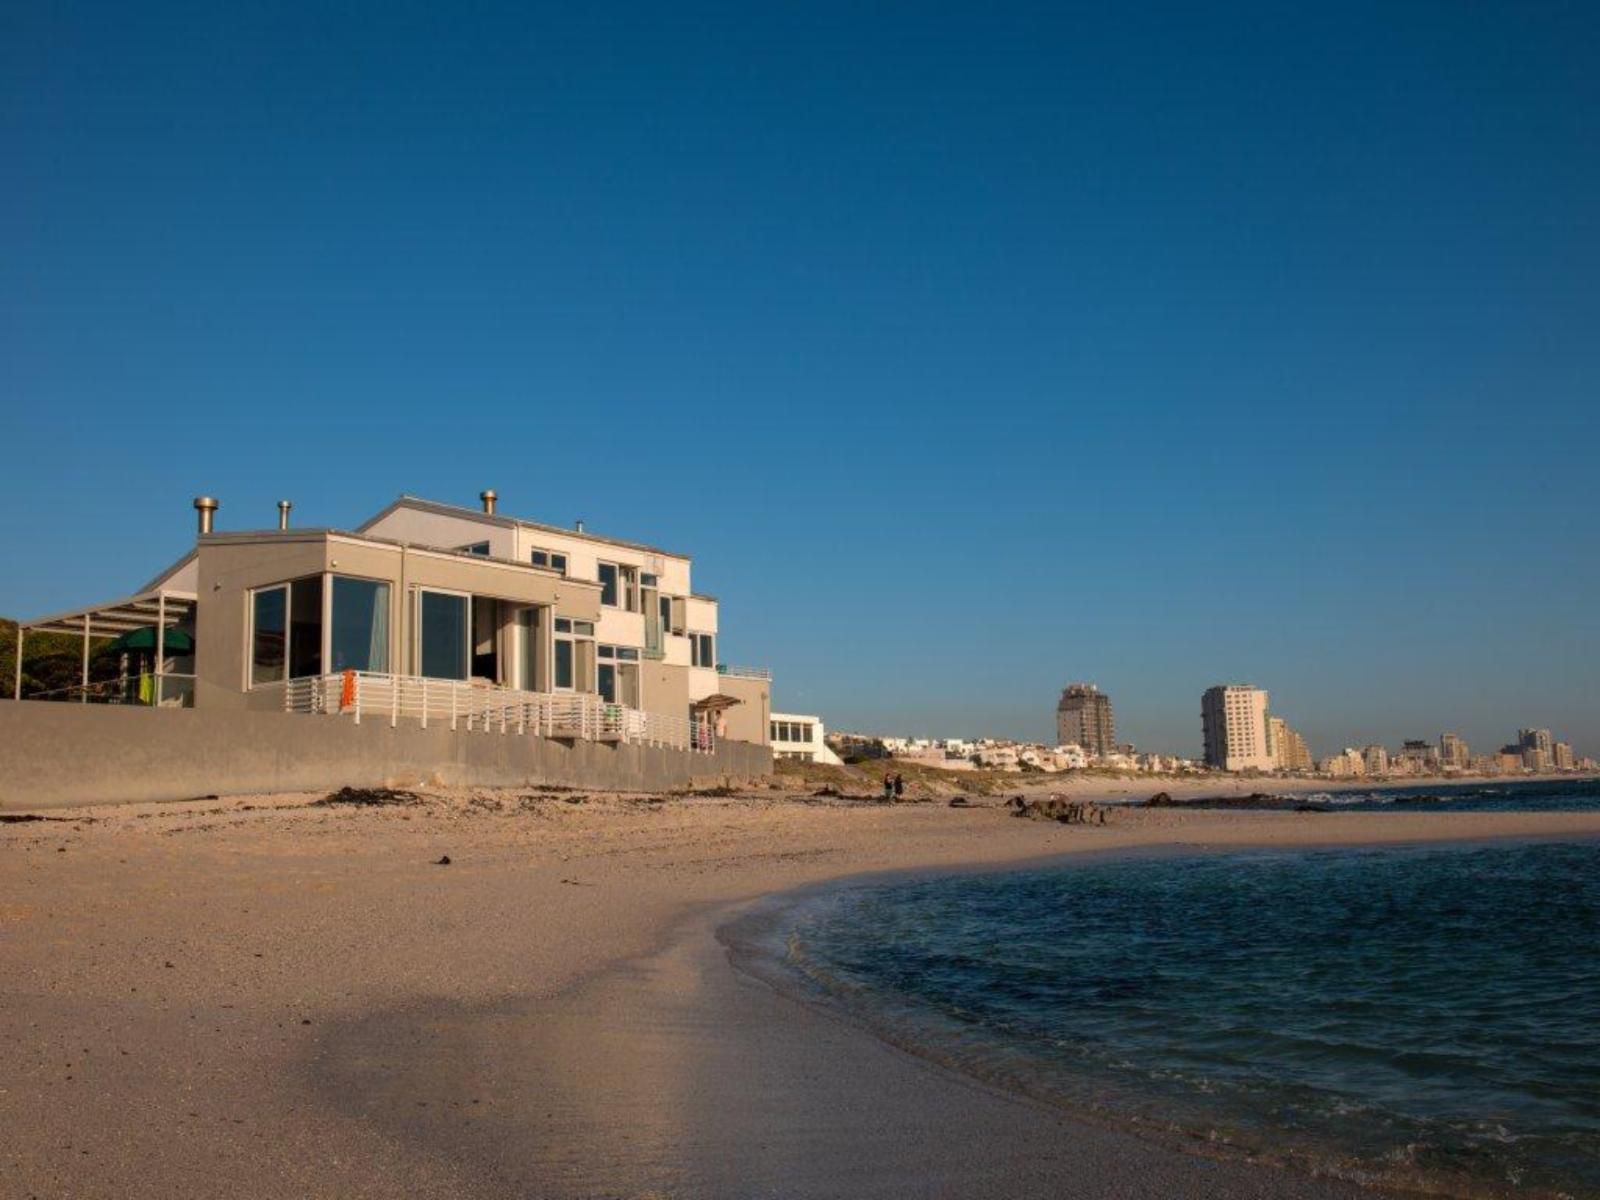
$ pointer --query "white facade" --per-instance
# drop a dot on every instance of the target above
(1234, 721)
(801, 737)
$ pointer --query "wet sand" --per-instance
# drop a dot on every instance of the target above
(256, 998)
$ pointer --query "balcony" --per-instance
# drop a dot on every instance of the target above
(471, 708)
(736, 672)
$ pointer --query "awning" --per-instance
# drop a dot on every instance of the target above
(117, 617)
(716, 702)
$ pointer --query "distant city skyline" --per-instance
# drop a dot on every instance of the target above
(973, 352)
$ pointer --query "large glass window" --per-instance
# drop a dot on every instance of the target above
(269, 650)
(305, 627)
(608, 584)
(360, 635)
(443, 630)
(564, 672)
(550, 559)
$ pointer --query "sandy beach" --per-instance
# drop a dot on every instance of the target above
(262, 997)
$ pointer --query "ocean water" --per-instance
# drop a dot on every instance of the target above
(1482, 795)
(1428, 1018)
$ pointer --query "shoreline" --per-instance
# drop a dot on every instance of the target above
(302, 999)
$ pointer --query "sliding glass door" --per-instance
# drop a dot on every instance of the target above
(443, 629)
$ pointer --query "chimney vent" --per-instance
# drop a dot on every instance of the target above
(488, 497)
(579, 525)
(283, 513)
(206, 507)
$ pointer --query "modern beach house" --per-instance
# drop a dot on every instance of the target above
(430, 613)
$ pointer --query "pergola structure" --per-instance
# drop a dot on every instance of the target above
(156, 610)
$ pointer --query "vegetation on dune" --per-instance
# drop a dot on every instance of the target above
(51, 662)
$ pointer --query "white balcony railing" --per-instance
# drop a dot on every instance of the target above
(744, 672)
(475, 708)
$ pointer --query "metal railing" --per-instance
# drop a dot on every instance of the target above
(167, 690)
(475, 708)
(744, 672)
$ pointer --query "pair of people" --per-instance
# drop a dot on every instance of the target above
(894, 786)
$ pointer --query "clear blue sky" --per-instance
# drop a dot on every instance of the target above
(970, 349)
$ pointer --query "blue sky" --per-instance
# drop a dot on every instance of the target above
(970, 349)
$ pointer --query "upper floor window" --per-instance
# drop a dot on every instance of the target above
(549, 559)
(479, 548)
(702, 650)
(619, 586)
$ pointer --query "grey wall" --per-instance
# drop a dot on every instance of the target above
(55, 754)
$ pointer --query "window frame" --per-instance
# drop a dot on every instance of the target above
(466, 636)
(550, 557)
(250, 642)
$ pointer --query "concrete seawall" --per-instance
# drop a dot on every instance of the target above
(54, 754)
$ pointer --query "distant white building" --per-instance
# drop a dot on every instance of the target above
(800, 737)
(1071, 757)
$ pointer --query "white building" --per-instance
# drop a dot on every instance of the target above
(1234, 720)
(800, 737)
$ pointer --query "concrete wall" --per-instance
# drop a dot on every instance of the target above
(53, 755)
(749, 721)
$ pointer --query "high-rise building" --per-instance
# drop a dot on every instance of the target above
(1375, 758)
(1288, 747)
(1233, 719)
(1453, 752)
(1083, 718)
(1419, 756)
(1536, 739)
(1562, 756)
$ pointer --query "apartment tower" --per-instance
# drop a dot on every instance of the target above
(1083, 718)
(1234, 720)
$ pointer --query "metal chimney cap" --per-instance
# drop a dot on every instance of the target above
(206, 504)
(205, 507)
(283, 513)
(578, 526)
(488, 497)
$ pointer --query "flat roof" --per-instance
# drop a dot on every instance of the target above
(244, 537)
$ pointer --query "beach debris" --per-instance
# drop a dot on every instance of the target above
(1056, 808)
(828, 789)
(575, 799)
(19, 818)
(1160, 800)
(367, 797)
(442, 861)
(960, 802)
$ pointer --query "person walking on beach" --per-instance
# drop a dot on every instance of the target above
(899, 785)
(888, 786)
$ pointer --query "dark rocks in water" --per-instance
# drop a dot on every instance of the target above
(1258, 801)
(367, 798)
(1422, 799)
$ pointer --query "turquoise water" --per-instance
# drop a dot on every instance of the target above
(1425, 1017)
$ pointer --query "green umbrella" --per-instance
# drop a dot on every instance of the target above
(176, 641)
